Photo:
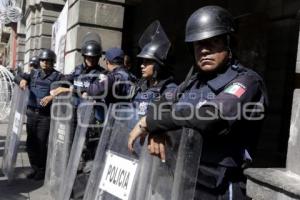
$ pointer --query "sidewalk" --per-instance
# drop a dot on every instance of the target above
(20, 188)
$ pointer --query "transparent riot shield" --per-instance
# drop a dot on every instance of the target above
(14, 130)
(60, 137)
(112, 149)
(84, 114)
(118, 174)
(175, 178)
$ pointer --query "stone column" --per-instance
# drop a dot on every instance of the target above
(39, 17)
(20, 42)
(20, 37)
(102, 17)
(297, 81)
(284, 183)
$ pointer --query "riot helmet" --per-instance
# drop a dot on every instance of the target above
(47, 54)
(154, 43)
(208, 22)
(91, 45)
(34, 62)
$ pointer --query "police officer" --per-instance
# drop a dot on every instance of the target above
(80, 79)
(34, 63)
(83, 75)
(38, 112)
(230, 100)
(156, 80)
(86, 72)
(117, 85)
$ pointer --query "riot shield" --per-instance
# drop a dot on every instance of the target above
(84, 113)
(118, 174)
(176, 178)
(14, 130)
(60, 137)
(112, 148)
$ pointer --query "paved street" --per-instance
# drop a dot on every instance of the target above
(20, 188)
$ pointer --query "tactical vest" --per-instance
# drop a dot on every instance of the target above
(82, 80)
(144, 96)
(123, 88)
(40, 87)
(226, 151)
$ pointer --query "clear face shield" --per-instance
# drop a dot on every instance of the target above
(154, 43)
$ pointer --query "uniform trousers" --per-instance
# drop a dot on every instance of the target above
(38, 126)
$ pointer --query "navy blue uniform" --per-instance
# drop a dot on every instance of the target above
(38, 117)
(115, 87)
(81, 79)
(146, 95)
(228, 132)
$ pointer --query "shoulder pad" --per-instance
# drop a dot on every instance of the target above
(78, 69)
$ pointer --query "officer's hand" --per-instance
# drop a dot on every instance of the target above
(103, 78)
(23, 84)
(84, 95)
(140, 130)
(59, 90)
(44, 101)
(156, 146)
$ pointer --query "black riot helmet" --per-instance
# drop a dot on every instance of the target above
(91, 45)
(34, 62)
(154, 43)
(208, 22)
(47, 54)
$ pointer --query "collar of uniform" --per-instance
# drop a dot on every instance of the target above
(91, 70)
(44, 74)
(142, 85)
(223, 79)
(117, 68)
(161, 83)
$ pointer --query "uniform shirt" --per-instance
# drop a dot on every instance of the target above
(81, 78)
(145, 94)
(115, 86)
(39, 84)
(220, 102)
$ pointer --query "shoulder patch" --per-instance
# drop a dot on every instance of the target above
(237, 89)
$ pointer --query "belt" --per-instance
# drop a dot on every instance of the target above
(39, 110)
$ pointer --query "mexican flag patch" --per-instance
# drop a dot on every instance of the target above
(236, 89)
